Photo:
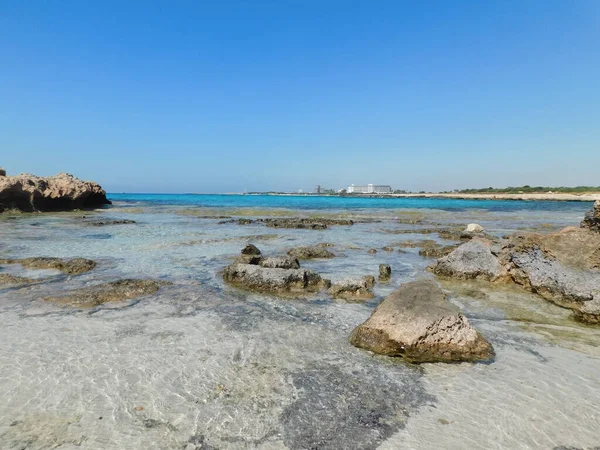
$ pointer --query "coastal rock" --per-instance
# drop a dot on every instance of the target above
(387, 248)
(73, 266)
(591, 220)
(61, 192)
(7, 278)
(474, 228)
(417, 323)
(372, 251)
(250, 254)
(250, 249)
(316, 223)
(352, 289)
(280, 262)
(472, 260)
(312, 252)
(433, 249)
(2, 172)
(370, 280)
(102, 223)
(273, 280)
(385, 272)
(115, 291)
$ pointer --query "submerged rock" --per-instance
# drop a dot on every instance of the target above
(115, 291)
(352, 289)
(591, 221)
(313, 252)
(417, 323)
(74, 266)
(62, 192)
(317, 223)
(102, 223)
(7, 278)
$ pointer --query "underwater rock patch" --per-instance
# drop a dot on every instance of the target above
(102, 223)
(70, 266)
(114, 291)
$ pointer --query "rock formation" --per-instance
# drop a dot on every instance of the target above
(352, 289)
(417, 323)
(591, 220)
(562, 267)
(61, 192)
(275, 274)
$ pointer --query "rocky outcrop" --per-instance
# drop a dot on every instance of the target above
(72, 266)
(591, 221)
(115, 291)
(352, 289)
(417, 323)
(311, 252)
(275, 274)
(472, 260)
(61, 192)
(562, 267)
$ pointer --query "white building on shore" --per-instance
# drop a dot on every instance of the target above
(370, 189)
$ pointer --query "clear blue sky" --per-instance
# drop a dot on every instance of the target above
(209, 96)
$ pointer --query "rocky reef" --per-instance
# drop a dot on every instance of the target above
(70, 266)
(114, 291)
(563, 267)
(417, 323)
(62, 192)
(275, 274)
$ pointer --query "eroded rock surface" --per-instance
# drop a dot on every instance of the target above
(472, 260)
(115, 291)
(61, 192)
(352, 289)
(73, 266)
(312, 252)
(274, 274)
(416, 322)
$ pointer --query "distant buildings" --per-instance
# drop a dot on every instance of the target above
(370, 189)
(318, 189)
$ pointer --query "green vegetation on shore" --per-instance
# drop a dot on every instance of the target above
(532, 190)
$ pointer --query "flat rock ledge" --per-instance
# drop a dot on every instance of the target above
(563, 267)
(276, 274)
(114, 291)
(418, 323)
(69, 266)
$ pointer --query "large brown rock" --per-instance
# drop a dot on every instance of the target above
(61, 192)
(591, 220)
(417, 323)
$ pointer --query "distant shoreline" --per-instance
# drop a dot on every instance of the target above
(586, 197)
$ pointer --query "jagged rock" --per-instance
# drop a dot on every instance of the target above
(591, 220)
(417, 323)
(74, 266)
(385, 272)
(280, 262)
(61, 192)
(313, 252)
(353, 289)
(472, 260)
(115, 291)
(474, 228)
(370, 280)
(273, 280)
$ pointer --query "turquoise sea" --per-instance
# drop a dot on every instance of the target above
(203, 365)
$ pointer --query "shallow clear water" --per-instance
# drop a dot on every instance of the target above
(203, 365)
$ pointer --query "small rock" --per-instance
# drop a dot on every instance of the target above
(372, 251)
(352, 289)
(385, 272)
(370, 280)
(250, 249)
(388, 249)
(474, 228)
